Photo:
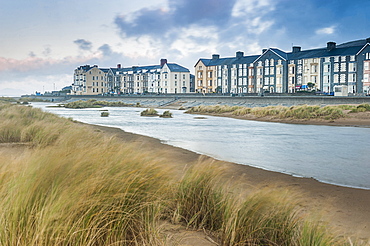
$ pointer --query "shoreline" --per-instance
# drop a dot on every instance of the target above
(344, 208)
(358, 120)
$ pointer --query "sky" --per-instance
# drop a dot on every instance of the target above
(43, 41)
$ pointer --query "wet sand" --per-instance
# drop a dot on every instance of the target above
(346, 209)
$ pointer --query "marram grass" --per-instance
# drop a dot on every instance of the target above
(79, 187)
(301, 112)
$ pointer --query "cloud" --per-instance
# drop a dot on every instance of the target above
(326, 30)
(150, 21)
(83, 44)
(188, 29)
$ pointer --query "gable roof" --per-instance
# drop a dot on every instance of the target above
(177, 68)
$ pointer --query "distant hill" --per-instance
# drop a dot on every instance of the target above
(8, 92)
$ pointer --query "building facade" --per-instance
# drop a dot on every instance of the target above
(89, 80)
(324, 69)
(162, 78)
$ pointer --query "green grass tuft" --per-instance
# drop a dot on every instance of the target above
(149, 112)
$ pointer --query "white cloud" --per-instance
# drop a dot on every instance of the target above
(196, 39)
(326, 30)
(244, 8)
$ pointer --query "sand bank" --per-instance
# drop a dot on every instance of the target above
(347, 209)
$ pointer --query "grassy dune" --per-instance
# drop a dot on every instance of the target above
(75, 186)
(281, 112)
(92, 103)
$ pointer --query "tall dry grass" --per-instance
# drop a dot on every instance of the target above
(84, 188)
(281, 112)
(81, 189)
(263, 217)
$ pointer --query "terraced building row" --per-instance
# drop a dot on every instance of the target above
(343, 69)
(162, 78)
(335, 69)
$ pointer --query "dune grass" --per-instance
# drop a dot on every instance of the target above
(92, 103)
(149, 112)
(280, 112)
(77, 186)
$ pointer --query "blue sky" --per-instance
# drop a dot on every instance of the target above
(43, 41)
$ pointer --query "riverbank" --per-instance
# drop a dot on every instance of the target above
(346, 209)
(339, 115)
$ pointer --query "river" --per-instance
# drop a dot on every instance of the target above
(335, 155)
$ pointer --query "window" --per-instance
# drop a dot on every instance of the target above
(102, 83)
(93, 84)
(299, 69)
(267, 70)
(175, 83)
(267, 80)
(313, 68)
(259, 71)
(352, 58)
(366, 65)
(327, 59)
(200, 67)
(210, 74)
(267, 63)
(343, 67)
(342, 78)
(336, 67)
(175, 76)
(336, 58)
(366, 77)
(336, 78)
(183, 76)
(343, 58)
(327, 68)
(314, 79)
(352, 77)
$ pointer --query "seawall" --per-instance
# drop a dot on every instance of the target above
(199, 99)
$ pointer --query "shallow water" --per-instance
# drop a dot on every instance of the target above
(336, 155)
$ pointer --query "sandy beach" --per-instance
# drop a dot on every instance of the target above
(345, 209)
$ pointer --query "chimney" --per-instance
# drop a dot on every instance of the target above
(330, 46)
(118, 65)
(368, 40)
(264, 50)
(163, 61)
(296, 49)
(215, 56)
(239, 54)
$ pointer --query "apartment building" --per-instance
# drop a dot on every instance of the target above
(89, 80)
(323, 69)
(162, 78)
